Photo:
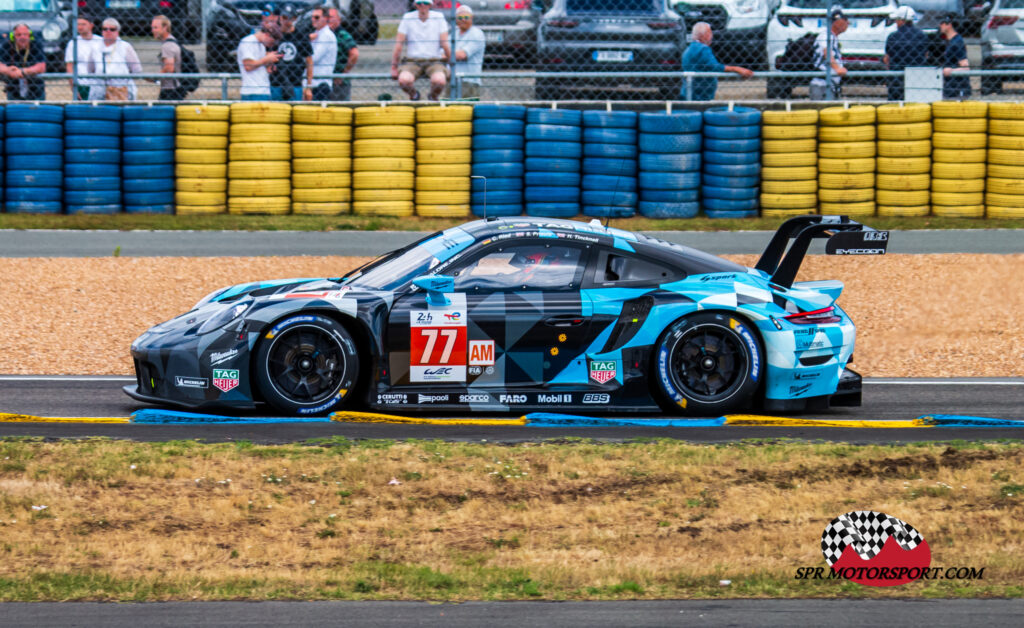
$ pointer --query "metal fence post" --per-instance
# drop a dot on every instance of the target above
(74, 51)
(689, 87)
(828, 52)
(224, 87)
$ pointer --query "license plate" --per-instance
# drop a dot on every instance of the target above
(123, 4)
(854, 22)
(615, 56)
(494, 36)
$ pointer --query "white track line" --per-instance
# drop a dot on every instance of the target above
(944, 382)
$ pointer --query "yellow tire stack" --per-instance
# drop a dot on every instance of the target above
(200, 159)
(958, 158)
(321, 160)
(383, 163)
(904, 160)
(443, 143)
(260, 158)
(846, 160)
(1004, 190)
(789, 163)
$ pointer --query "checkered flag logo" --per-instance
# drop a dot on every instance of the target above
(867, 531)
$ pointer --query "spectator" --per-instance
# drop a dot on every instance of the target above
(954, 58)
(296, 57)
(325, 55)
(87, 89)
(424, 33)
(469, 51)
(170, 58)
(831, 58)
(348, 55)
(906, 47)
(116, 56)
(21, 64)
(254, 61)
(270, 18)
(699, 58)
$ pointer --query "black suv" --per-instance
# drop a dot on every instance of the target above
(50, 22)
(610, 36)
(231, 20)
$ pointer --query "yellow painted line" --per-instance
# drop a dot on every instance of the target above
(373, 417)
(753, 419)
(6, 417)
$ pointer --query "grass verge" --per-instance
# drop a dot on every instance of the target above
(124, 222)
(338, 519)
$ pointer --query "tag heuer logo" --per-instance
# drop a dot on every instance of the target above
(225, 379)
(602, 372)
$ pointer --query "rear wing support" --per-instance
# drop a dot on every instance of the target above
(845, 237)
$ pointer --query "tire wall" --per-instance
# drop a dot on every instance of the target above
(956, 159)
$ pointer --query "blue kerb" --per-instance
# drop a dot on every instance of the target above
(172, 417)
(957, 420)
(550, 419)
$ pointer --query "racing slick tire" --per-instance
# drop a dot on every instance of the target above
(708, 364)
(306, 365)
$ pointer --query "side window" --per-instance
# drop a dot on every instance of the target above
(523, 267)
(615, 268)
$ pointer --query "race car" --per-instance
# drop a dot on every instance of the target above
(520, 314)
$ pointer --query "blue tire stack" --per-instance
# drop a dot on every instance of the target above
(498, 157)
(732, 162)
(147, 168)
(553, 152)
(609, 164)
(670, 146)
(34, 179)
(92, 159)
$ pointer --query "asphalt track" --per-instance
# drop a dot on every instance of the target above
(56, 243)
(884, 399)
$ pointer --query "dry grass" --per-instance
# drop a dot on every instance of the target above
(658, 519)
(917, 315)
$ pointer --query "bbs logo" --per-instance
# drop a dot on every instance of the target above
(876, 236)
(596, 398)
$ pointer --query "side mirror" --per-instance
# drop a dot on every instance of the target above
(436, 286)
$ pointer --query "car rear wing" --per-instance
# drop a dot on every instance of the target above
(845, 237)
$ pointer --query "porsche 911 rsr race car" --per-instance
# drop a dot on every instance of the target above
(517, 314)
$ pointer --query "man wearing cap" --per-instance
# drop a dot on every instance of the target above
(424, 33)
(905, 47)
(953, 59)
(254, 60)
(831, 56)
(296, 60)
(469, 51)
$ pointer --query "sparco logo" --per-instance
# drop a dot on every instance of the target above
(433, 398)
(474, 398)
(596, 398)
(511, 399)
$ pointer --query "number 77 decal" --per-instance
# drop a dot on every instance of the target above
(450, 336)
(437, 346)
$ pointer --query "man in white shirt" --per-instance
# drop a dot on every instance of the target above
(253, 60)
(469, 52)
(325, 53)
(88, 89)
(424, 33)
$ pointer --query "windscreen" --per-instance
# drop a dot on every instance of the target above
(612, 6)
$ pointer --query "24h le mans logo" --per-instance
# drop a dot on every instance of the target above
(601, 372)
(225, 379)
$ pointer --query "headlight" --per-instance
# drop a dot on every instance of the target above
(748, 6)
(224, 317)
(51, 31)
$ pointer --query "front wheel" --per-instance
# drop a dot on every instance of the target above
(306, 365)
(708, 364)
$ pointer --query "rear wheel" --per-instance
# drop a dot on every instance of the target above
(306, 365)
(708, 363)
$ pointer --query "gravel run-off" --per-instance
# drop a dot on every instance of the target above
(916, 315)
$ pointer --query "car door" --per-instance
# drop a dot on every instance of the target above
(516, 320)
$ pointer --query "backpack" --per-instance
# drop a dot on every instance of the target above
(188, 66)
(800, 55)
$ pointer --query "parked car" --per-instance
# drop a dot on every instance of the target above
(1002, 43)
(740, 27)
(610, 36)
(135, 16)
(862, 45)
(50, 22)
(231, 20)
(517, 314)
(510, 28)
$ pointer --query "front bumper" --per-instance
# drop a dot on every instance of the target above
(848, 394)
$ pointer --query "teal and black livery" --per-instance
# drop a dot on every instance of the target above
(522, 314)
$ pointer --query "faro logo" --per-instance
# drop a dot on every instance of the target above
(874, 549)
